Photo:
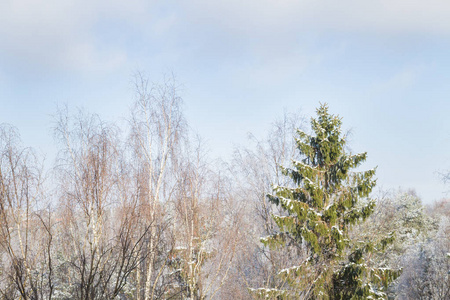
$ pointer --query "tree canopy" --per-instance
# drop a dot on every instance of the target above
(327, 197)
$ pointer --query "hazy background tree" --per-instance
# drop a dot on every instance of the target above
(254, 168)
(426, 273)
(205, 224)
(24, 243)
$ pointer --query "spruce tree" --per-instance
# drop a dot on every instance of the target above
(326, 199)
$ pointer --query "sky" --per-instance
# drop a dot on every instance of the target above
(382, 65)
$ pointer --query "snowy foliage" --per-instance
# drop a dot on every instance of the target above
(426, 273)
(319, 211)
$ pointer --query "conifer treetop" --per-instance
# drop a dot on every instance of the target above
(319, 209)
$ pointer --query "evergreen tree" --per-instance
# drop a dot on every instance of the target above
(325, 200)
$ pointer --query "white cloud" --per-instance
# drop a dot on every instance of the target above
(61, 34)
(273, 31)
(65, 35)
(379, 16)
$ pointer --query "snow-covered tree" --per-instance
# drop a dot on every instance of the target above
(426, 272)
(327, 199)
(427, 268)
(403, 213)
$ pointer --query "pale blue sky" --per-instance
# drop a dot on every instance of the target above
(384, 66)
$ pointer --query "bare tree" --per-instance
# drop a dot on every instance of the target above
(157, 126)
(205, 226)
(99, 234)
(20, 190)
(254, 170)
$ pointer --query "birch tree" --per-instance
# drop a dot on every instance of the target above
(206, 227)
(157, 126)
(98, 237)
(20, 193)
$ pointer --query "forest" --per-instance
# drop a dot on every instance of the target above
(143, 212)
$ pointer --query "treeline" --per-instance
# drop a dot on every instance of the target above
(143, 213)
